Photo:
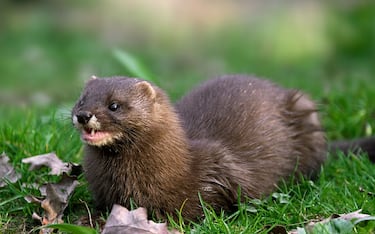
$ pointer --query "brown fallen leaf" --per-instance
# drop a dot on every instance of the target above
(7, 172)
(353, 215)
(53, 162)
(32, 199)
(347, 217)
(57, 196)
(123, 221)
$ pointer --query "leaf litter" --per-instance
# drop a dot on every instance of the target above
(56, 198)
(123, 221)
(337, 223)
(52, 161)
(7, 171)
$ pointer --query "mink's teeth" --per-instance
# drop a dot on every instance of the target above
(92, 132)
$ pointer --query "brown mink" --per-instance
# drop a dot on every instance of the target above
(233, 133)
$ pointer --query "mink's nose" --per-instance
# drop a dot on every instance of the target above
(84, 117)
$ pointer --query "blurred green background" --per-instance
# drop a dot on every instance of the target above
(49, 48)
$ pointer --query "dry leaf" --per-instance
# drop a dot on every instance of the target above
(353, 215)
(349, 217)
(53, 162)
(123, 221)
(32, 199)
(7, 172)
(57, 197)
(346, 217)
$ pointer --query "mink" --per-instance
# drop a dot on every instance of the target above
(234, 137)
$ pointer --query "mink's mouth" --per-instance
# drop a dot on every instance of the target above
(89, 131)
(96, 137)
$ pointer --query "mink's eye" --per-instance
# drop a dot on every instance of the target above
(113, 106)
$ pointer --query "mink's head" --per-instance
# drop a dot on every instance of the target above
(115, 109)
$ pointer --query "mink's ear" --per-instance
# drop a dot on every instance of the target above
(145, 89)
(93, 77)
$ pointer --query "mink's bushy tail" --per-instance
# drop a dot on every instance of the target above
(366, 145)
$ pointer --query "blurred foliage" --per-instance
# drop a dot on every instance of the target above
(49, 48)
(353, 31)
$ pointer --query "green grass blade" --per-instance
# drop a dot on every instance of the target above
(10, 200)
(132, 65)
(70, 228)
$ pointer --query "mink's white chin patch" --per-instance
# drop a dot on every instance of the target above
(98, 138)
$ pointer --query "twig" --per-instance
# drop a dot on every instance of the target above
(89, 213)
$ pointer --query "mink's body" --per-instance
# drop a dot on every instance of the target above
(233, 132)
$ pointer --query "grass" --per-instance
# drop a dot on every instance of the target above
(337, 189)
(42, 56)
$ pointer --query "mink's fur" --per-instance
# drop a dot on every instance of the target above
(233, 133)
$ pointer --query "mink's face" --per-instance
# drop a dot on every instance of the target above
(113, 109)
